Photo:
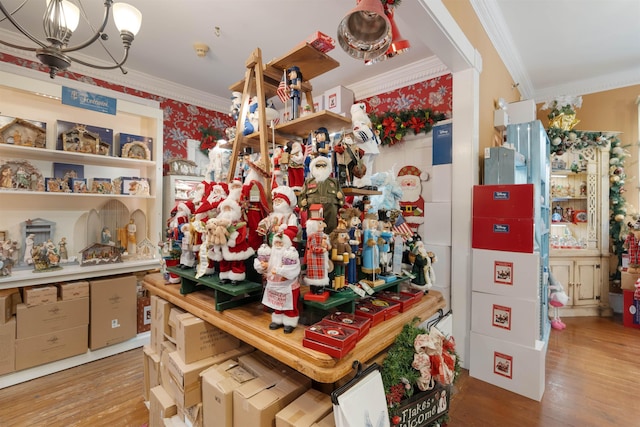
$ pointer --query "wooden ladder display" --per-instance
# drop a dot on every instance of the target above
(253, 75)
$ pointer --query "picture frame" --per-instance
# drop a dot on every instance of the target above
(82, 138)
(134, 186)
(503, 272)
(23, 132)
(135, 146)
(501, 317)
(503, 364)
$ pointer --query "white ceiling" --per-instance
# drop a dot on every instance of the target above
(550, 47)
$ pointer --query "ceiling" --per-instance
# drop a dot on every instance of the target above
(550, 47)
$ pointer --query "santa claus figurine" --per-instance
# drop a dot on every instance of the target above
(410, 179)
(281, 266)
(252, 199)
(236, 250)
(184, 210)
(367, 140)
(295, 169)
(283, 217)
(322, 188)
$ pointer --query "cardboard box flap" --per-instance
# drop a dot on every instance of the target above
(310, 407)
(255, 386)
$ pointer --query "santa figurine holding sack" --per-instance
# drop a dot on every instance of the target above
(236, 249)
(281, 267)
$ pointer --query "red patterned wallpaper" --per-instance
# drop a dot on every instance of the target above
(182, 121)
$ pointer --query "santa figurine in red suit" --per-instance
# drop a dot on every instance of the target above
(283, 217)
(253, 200)
(215, 193)
(317, 258)
(200, 193)
(184, 210)
(236, 250)
(295, 169)
(281, 267)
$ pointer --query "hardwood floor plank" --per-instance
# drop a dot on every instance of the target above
(592, 376)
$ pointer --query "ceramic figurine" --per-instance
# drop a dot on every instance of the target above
(281, 267)
(341, 254)
(236, 250)
(294, 82)
(317, 256)
(322, 188)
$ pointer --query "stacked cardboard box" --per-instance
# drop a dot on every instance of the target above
(113, 311)
(507, 348)
(50, 331)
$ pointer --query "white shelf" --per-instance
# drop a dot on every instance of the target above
(63, 194)
(70, 362)
(71, 272)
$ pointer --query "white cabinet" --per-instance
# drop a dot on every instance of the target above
(76, 215)
(582, 281)
(177, 188)
(579, 241)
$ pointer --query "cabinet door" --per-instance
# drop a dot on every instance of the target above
(587, 282)
(562, 271)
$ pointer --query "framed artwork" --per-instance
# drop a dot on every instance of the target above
(83, 138)
(501, 317)
(135, 146)
(27, 133)
(134, 186)
(503, 272)
(503, 364)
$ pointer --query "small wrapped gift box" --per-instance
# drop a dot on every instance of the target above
(336, 352)
(361, 323)
(405, 301)
(329, 333)
(321, 41)
(376, 312)
(415, 294)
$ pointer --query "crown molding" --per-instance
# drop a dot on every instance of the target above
(413, 73)
(495, 26)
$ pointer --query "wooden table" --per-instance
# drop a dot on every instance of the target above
(250, 324)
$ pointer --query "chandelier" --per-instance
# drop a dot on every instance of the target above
(61, 19)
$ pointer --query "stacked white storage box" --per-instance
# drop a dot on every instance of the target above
(509, 329)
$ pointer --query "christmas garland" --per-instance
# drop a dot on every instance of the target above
(209, 139)
(563, 140)
(399, 377)
(392, 127)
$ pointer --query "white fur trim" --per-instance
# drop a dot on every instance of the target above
(290, 321)
(317, 282)
(277, 318)
(236, 276)
(231, 240)
(237, 256)
(224, 274)
(414, 219)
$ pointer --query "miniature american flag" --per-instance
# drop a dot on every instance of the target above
(282, 89)
(308, 148)
(402, 228)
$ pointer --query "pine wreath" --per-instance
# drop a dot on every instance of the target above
(393, 126)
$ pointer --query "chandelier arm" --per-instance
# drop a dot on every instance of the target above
(105, 67)
(15, 46)
(98, 32)
(17, 9)
(21, 29)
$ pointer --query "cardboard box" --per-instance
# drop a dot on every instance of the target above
(151, 370)
(514, 367)
(39, 295)
(58, 316)
(113, 311)
(441, 183)
(186, 376)
(40, 349)
(8, 347)
(438, 227)
(73, 290)
(197, 339)
(628, 280)
(507, 318)
(143, 323)
(521, 111)
(218, 383)
(256, 402)
(511, 274)
(160, 310)
(339, 100)
(312, 406)
(161, 406)
(171, 326)
(9, 299)
(321, 41)
(193, 416)
(503, 234)
(631, 310)
(328, 421)
(504, 201)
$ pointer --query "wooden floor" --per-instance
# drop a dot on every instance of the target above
(593, 375)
